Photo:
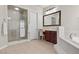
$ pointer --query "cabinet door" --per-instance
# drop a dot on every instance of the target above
(47, 36)
(53, 37)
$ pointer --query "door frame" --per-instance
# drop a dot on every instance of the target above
(26, 37)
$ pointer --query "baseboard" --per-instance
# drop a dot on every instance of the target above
(3, 47)
(16, 42)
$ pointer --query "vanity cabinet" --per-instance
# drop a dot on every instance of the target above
(50, 36)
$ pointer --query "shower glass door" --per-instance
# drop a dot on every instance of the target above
(17, 23)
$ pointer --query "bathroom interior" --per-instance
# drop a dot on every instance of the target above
(57, 24)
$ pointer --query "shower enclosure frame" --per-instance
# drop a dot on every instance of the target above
(25, 21)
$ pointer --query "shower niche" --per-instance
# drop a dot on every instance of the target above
(17, 23)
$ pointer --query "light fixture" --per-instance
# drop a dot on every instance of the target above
(16, 8)
(54, 9)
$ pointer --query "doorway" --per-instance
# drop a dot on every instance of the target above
(17, 23)
(33, 29)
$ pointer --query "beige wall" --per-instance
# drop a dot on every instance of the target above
(3, 15)
(70, 19)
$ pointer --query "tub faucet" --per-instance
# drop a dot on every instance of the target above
(71, 35)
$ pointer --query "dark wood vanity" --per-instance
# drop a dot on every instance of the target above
(50, 36)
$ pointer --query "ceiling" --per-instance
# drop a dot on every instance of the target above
(41, 6)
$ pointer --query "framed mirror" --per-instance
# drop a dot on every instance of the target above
(53, 19)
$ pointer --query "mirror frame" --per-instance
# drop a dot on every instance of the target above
(51, 14)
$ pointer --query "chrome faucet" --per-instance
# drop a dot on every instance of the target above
(72, 34)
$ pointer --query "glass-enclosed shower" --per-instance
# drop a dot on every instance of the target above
(17, 23)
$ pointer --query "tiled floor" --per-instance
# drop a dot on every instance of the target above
(31, 47)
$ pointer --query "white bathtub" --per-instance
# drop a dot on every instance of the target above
(72, 42)
(75, 39)
(67, 46)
